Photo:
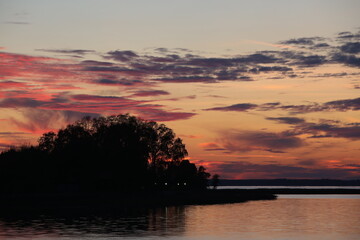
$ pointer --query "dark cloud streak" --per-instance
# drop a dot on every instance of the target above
(254, 170)
(337, 105)
(67, 51)
(241, 107)
(287, 120)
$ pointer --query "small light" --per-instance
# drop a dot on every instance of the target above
(165, 183)
(178, 184)
(184, 183)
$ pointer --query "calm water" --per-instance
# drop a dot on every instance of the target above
(288, 217)
(286, 187)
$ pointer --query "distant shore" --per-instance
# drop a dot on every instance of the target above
(289, 182)
(300, 190)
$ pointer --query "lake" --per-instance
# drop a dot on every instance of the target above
(289, 217)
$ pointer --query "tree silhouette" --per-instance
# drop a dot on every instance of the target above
(203, 176)
(215, 180)
(115, 153)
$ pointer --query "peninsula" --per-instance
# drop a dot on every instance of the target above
(108, 161)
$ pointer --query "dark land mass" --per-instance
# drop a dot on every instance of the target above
(289, 182)
(107, 163)
(117, 162)
(104, 202)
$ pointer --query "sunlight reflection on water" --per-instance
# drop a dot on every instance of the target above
(290, 217)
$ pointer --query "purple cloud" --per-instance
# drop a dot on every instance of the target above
(254, 170)
(337, 105)
(67, 51)
(149, 93)
(121, 56)
(332, 130)
(303, 41)
(287, 120)
(351, 47)
(241, 107)
(20, 102)
(243, 141)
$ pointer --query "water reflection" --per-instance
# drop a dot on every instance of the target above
(137, 222)
(286, 218)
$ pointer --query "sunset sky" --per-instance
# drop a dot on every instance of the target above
(256, 89)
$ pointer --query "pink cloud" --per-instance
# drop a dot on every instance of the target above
(24, 66)
(150, 93)
(12, 84)
(211, 146)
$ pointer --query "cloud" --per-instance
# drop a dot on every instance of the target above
(251, 170)
(20, 102)
(303, 41)
(8, 139)
(155, 114)
(122, 56)
(312, 60)
(323, 129)
(287, 120)
(320, 46)
(180, 98)
(348, 36)
(40, 120)
(347, 59)
(12, 133)
(337, 105)
(33, 81)
(96, 63)
(344, 104)
(211, 146)
(178, 66)
(4, 146)
(113, 69)
(274, 151)
(150, 93)
(67, 51)
(270, 69)
(97, 98)
(351, 47)
(331, 130)
(175, 66)
(88, 104)
(36, 69)
(243, 141)
(190, 136)
(240, 107)
(331, 106)
(257, 58)
(327, 75)
(187, 79)
(121, 82)
(12, 84)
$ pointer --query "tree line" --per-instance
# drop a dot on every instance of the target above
(114, 153)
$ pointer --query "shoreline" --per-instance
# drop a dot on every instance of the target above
(114, 201)
(302, 190)
(93, 202)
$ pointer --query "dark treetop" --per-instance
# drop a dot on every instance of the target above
(106, 154)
